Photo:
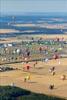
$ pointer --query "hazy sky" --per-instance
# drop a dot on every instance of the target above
(22, 6)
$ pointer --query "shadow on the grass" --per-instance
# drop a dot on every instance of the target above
(16, 93)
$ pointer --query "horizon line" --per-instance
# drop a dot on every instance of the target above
(33, 13)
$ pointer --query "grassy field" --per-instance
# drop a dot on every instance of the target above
(40, 77)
